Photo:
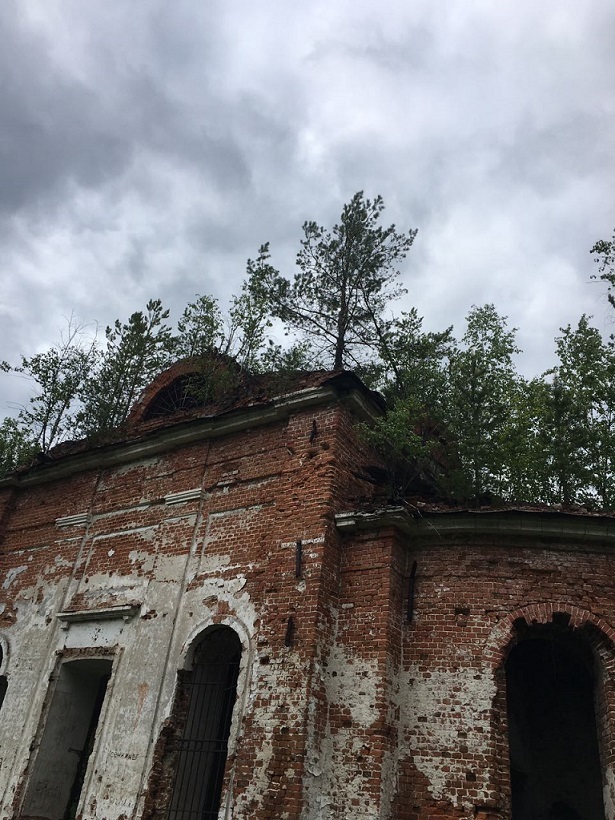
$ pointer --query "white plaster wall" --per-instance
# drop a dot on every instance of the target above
(444, 711)
(336, 767)
(608, 794)
(147, 654)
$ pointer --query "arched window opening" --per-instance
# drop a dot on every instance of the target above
(3, 682)
(181, 394)
(58, 774)
(208, 694)
(554, 759)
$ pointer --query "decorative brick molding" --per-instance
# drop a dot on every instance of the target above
(184, 496)
(541, 612)
(78, 520)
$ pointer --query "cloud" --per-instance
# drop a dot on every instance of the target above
(146, 150)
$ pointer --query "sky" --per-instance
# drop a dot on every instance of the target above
(148, 149)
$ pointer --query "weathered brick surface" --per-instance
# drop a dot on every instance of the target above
(344, 709)
(223, 554)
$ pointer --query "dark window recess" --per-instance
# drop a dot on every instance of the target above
(3, 685)
(554, 760)
(209, 692)
(67, 739)
(185, 393)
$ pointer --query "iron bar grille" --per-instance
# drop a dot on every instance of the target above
(201, 751)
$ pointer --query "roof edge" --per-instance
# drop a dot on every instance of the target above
(184, 433)
(524, 523)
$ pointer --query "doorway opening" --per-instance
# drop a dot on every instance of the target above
(67, 739)
(3, 681)
(555, 768)
(207, 694)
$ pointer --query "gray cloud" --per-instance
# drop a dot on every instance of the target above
(148, 150)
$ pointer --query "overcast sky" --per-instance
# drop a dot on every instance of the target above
(148, 148)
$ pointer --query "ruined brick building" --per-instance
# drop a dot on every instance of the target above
(203, 618)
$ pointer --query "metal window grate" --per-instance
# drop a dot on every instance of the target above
(201, 751)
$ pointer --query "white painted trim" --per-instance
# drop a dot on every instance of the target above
(4, 646)
(183, 496)
(77, 520)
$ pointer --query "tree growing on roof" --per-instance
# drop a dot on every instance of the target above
(135, 352)
(16, 446)
(240, 333)
(455, 399)
(578, 423)
(482, 386)
(347, 277)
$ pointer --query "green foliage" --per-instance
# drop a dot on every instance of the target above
(278, 359)
(16, 448)
(346, 280)
(410, 450)
(135, 353)
(412, 362)
(200, 328)
(604, 255)
(579, 422)
(482, 389)
(57, 377)
(461, 421)
(249, 314)
(525, 447)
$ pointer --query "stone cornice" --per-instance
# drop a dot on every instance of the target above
(185, 433)
(108, 613)
(530, 524)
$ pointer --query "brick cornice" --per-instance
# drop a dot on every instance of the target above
(185, 433)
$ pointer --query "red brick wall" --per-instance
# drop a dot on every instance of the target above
(468, 596)
(261, 490)
(346, 710)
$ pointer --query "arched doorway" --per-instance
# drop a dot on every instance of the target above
(206, 696)
(553, 742)
(3, 681)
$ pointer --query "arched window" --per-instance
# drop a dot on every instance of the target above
(3, 683)
(554, 758)
(207, 695)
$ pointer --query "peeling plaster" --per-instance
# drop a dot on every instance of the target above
(143, 464)
(609, 794)
(434, 723)
(391, 757)
(11, 575)
(336, 768)
(353, 682)
(143, 561)
(213, 563)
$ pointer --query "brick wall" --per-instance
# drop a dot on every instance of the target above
(475, 596)
(345, 709)
(138, 558)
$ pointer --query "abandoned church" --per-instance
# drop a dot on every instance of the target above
(211, 615)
